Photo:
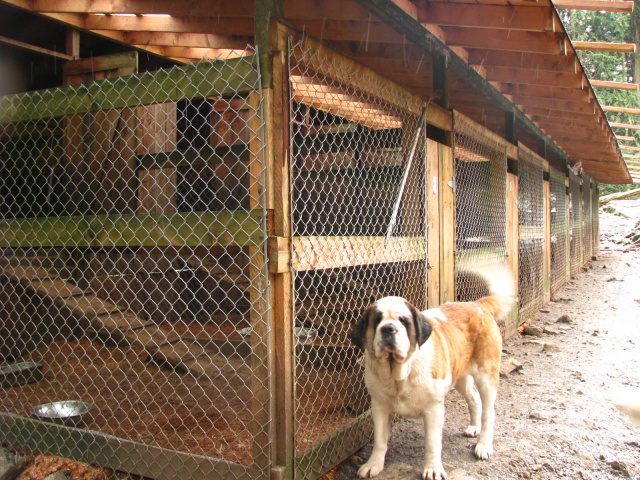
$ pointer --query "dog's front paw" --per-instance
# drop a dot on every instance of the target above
(472, 431)
(436, 473)
(484, 451)
(370, 470)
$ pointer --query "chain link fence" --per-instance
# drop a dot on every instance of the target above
(531, 234)
(351, 143)
(133, 272)
(480, 206)
(559, 229)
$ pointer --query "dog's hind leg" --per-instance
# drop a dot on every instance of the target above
(466, 386)
(488, 389)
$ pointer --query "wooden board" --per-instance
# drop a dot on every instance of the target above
(234, 76)
(240, 228)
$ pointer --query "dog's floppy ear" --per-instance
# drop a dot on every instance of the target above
(360, 329)
(422, 326)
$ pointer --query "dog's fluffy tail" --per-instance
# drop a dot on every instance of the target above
(500, 287)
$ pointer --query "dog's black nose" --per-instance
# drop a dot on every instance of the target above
(388, 330)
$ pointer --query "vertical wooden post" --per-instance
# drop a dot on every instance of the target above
(511, 326)
(447, 226)
(271, 38)
(73, 42)
(433, 188)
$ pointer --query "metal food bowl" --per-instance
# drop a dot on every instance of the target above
(68, 412)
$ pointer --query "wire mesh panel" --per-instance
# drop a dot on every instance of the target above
(133, 272)
(481, 205)
(559, 243)
(351, 142)
(531, 238)
(575, 209)
(587, 218)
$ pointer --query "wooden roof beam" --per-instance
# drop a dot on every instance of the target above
(621, 6)
(231, 8)
(34, 48)
(615, 85)
(626, 138)
(219, 26)
(524, 76)
(605, 47)
(624, 125)
(496, 58)
(487, 16)
(506, 40)
(196, 40)
(630, 111)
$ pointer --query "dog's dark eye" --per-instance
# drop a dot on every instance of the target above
(405, 322)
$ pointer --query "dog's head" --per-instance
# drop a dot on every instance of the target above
(391, 327)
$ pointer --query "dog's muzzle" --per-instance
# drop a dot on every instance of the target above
(387, 340)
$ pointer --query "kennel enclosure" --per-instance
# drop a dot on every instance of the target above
(186, 248)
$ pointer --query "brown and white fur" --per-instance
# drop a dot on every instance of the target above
(412, 359)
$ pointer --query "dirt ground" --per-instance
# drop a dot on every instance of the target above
(557, 416)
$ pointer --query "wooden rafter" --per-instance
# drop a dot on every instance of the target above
(605, 47)
(505, 40)
(34, 48)
(630, 111)
(615, 85)
(621, 6)
(625, 125)
(488, 16)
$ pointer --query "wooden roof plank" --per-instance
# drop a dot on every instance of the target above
(621, 6)
(605, 46)
(487, 16)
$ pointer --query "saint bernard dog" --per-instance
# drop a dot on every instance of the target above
(412, 359)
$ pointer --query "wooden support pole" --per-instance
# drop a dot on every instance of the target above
(621, 6)
(512, 247)
(447, 226)
(630, 111)
(630, 126)
(34, 48)
(615, 85)
(277, 117)
(605, 47)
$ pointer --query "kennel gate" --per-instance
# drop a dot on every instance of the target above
(133, 270)
(350, 140)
